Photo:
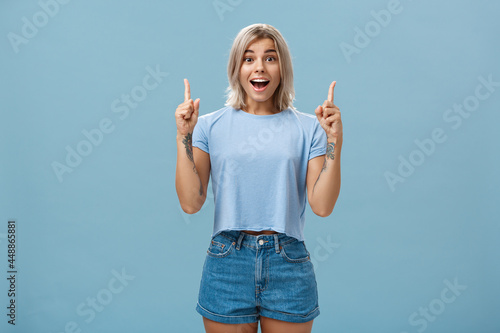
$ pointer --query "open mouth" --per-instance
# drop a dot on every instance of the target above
(259, 84)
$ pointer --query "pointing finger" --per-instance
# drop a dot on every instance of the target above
(330, 91)
(187, 90)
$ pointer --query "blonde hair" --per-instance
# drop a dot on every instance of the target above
(285, 93)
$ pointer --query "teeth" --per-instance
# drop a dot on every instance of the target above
(260, 80)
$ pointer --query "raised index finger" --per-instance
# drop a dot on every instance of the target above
(330, 91)
(187, 90)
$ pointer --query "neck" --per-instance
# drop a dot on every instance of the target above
(260, 108)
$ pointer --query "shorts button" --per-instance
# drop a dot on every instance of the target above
(261, 241)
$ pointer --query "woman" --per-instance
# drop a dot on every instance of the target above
(262, 155)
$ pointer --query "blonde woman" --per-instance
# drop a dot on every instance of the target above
(264, 156)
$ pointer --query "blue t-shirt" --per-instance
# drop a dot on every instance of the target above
(259, 167)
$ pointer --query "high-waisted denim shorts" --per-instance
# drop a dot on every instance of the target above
(246, 276)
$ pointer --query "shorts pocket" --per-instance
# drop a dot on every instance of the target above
(220, 246)
(295, 252)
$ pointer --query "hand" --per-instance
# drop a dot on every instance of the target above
(186, 115)
(329, 117)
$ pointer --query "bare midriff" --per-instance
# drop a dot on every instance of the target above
(262, 232)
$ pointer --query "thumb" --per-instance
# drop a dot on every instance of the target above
(197, 106)
(319, 112)
(196, 111)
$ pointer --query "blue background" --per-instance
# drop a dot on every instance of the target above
(382, 256)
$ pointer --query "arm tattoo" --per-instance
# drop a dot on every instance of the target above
(330, 150)
(201, 188)
(188, 144)
(330, 153)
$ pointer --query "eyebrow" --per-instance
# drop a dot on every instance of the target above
(267, 51)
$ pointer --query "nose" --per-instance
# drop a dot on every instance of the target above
(259, 66)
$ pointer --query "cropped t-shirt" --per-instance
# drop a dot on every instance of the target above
(259, 166)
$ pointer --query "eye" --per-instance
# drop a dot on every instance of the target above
(247, 59)
(270, 59)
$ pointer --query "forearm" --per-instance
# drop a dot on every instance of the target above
(327, 186)
(187, 181)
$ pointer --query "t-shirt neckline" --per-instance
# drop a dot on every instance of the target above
(262, 116)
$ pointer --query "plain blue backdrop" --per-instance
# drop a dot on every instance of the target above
(102, 244)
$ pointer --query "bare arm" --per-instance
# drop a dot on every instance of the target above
(323, 179)
(192, 170)
(323, 172)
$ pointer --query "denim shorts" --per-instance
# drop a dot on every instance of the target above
(246, 276)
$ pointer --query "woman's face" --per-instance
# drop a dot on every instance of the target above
(260, 71)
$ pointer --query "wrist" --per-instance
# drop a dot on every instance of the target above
(181, 136)
(337, 140)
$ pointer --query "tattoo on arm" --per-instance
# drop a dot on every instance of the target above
(201, 188)
(330, 153)
(188, 144)
(330, 150)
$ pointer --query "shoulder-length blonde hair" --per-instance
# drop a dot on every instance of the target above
(285, 93)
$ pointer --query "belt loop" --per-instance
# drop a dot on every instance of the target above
(240, 239)
(276, 243)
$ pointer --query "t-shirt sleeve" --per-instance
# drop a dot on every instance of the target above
(318, 142)
(200, 138)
